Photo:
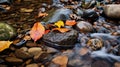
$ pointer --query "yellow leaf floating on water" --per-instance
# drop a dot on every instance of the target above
(59, 24)
(4, 45)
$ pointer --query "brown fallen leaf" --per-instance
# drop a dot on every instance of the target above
(62, 30)
(4, 45)
(70, 22)
(37, 31)
(61, 60)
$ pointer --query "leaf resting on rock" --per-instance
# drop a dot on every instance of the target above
(37, 31)
(59, 24)
(62, 30)
(70, 22)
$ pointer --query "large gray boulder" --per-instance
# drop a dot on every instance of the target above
(58, 40)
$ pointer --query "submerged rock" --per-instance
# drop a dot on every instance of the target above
(32, 65)
(117, 64)
(101, 64)
(112, 11)
(34, 50)
(60, 14)
(6, 31)
(22, 54)
(58, 40)
(84, 26)
(8, 2)
(14, 60)
(88, 3)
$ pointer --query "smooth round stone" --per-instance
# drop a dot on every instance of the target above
(24, 48)
(34, 50)
(32, 65)
(14, 60)
(23, 54)
(84, 26)
(6, 31)
(100, 63)
(117, 64)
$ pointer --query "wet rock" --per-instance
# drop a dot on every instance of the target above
(53, 65)
(24, 48)
(13, 60)
(7, 2)
(95, 44)
(68, 53)
(28, 61)
(31, 44)
(76, 62)
(44, 58)
(32, 65)
(117, 33)
(22, 54)
(61, 40)
(102, 30)
(35, 50)
(88, 3)
(58, 59)
(117, 64)
(1, 60)
(112, 11)
(6, 31)
(84, 26)
(2, 9)
(60, 14)
(51, 50)
(1, 65)
(83, 51)
(37, 56)
(100, 63)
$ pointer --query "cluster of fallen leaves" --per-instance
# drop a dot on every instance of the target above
(38, 30)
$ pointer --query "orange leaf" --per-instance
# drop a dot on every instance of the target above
(62, 30)
(70, 22)
(37, 31)
(47, 31)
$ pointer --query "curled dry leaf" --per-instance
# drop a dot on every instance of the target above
(70, 22)
(59, 24)
(60, 60)
(62, 30)
(37, 31)
(4, 45)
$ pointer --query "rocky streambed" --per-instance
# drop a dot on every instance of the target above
(92, 41)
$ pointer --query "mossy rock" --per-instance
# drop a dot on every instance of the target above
(6, 31)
